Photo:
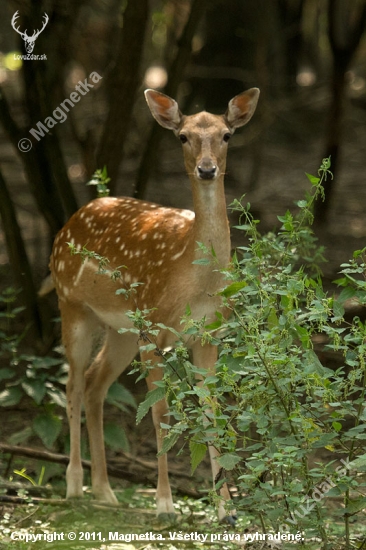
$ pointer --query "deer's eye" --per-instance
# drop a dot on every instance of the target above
(183, 138)
(226, 137)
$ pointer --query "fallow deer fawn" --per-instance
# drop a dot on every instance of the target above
(158, 246)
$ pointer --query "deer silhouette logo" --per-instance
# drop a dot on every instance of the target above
(29, 40)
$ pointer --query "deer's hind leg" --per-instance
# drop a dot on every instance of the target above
(117, 353)
(79, 325)
(205, 356)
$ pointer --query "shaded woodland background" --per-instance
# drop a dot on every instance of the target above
(308, 57)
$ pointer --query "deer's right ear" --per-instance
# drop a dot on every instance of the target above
(164, 109)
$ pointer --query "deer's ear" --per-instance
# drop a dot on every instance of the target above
(164, 109)
(241, 108)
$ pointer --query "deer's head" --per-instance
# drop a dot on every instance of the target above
(204, 136)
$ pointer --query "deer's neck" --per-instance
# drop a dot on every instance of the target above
(211, 225)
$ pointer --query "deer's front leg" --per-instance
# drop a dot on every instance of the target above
(164, 500)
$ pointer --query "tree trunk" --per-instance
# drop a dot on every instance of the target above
(175, 76)
(123, 82)
(290, 17)
(19, 260)
(46, 199)
(345, 29)
(54, 181)
(44, 165)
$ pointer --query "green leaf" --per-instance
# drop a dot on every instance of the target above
(121, 291)
(47, 427)
(198, 452)
(147, 348)
(359, 462)
(287, 220)
(334, 492)
(355, 506)
(313, 365)
(201, 261)
(115, 437)
(21, 436)
(5, 374)
(169, 442)
(164, 426)
(356, 431)
(313, 180)
(22, 473)
(325, 440)
(42, 362)
(233, 289)
(272, 319)
(338, 309)
(36, 389)
(201, 392)
(119, 396)
(228, 461)
(337, 426)
(152, 397)
(358, 253)
(130, 330)
(172, 330)
(347, 293)
(341, 282)
(214, 326)
(304, 336)
(10, 397)
(58, 397)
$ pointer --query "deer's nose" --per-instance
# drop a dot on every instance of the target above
(206, 169)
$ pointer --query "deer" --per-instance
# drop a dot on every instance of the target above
(29, 40)
(158, 247)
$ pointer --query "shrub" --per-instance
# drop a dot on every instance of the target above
(271, 408)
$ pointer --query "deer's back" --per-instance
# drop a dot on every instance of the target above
(144, 243)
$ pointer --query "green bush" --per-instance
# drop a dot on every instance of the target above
(272, 409)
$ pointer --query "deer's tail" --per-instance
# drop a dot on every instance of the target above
(47, 286)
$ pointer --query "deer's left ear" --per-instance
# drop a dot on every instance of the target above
(241, 108)
(164, 109)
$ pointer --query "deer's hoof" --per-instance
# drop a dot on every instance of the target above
(231, 520)
(167, 518)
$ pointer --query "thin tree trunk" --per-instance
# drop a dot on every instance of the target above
(54, 178)
(344, 40)
(175, 75)
(46, 199)
(44, 165)
(19, 260)
(123, 83)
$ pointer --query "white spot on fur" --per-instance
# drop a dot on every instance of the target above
(80, 272)
(178, 255)
(188, 214)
